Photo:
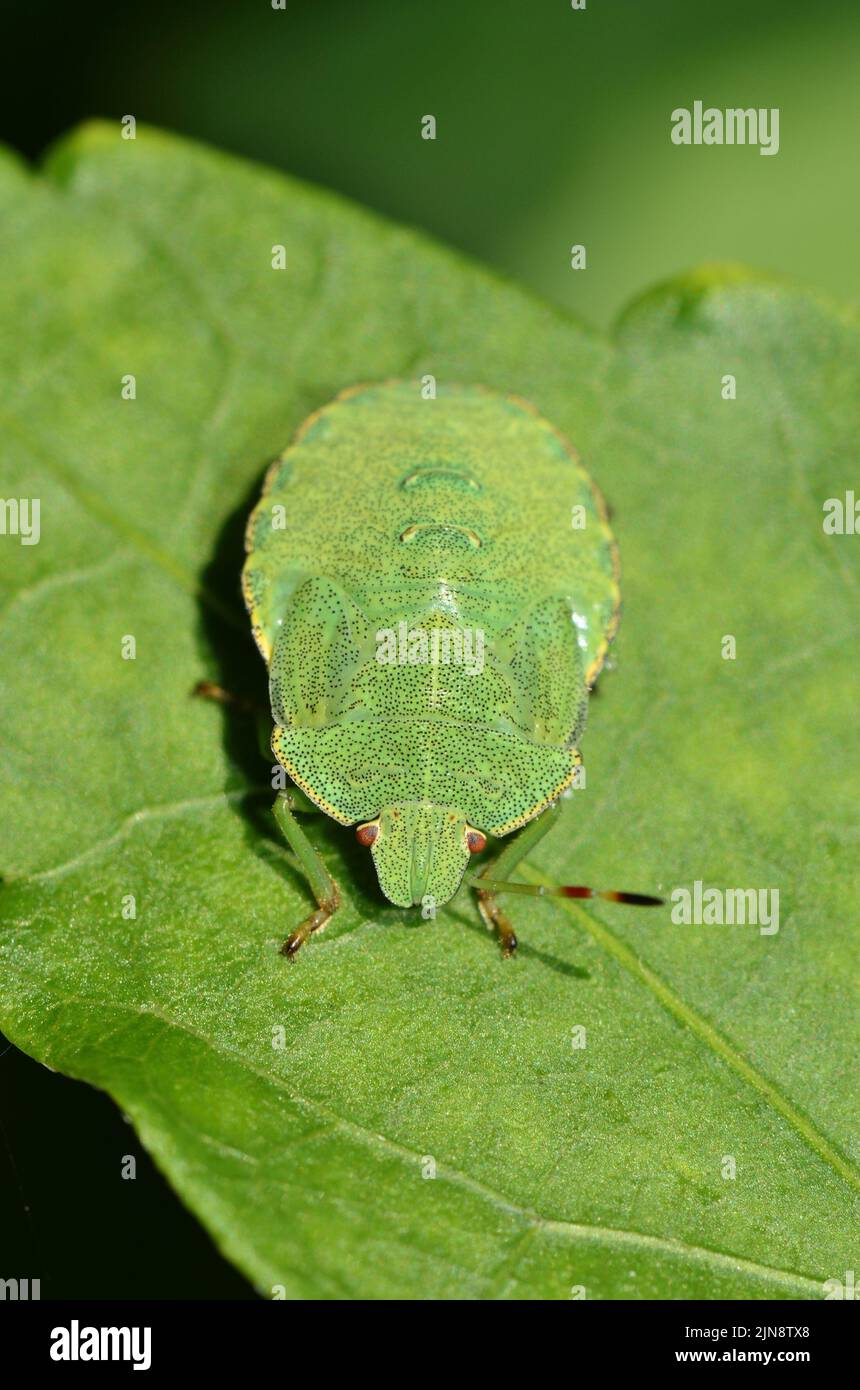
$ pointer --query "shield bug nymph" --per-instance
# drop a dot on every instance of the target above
(432, 625)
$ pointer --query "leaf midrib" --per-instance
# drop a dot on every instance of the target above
(709, 1036)
(683, 1013)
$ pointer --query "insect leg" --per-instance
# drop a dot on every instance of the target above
(208, 690)
(299, 802)
(322, 884)
(503, 866)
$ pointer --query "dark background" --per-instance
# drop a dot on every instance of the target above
(553, 128)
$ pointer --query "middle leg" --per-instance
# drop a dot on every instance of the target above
(503, 866)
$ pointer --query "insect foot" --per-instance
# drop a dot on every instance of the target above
(316, 922)
(496, 920)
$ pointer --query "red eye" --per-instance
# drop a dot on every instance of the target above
(367, 833)
(475, 840)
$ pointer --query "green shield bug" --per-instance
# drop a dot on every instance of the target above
(432, 622)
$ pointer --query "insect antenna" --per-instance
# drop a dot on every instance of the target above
(565, 890)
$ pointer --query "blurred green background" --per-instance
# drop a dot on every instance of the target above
(553, 124)
(553, 128)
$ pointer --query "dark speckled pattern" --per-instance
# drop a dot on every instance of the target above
(453, 514)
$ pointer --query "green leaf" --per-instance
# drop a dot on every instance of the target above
(405, 1041)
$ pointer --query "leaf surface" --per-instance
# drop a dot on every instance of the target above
(299, 1109)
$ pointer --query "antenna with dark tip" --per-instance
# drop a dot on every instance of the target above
(566, 890)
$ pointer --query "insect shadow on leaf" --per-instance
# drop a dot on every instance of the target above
(236, 680)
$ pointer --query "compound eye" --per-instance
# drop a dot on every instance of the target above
(367, 833)
(475, 840)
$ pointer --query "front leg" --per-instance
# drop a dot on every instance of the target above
(208, 690)
(322, 885)
(502, 867)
